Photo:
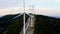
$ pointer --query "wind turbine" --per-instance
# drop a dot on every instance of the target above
(24, 24)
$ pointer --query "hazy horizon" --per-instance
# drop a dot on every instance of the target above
(44, 7)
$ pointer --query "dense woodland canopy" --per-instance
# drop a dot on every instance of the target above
(11, 26)
(43, 24)
(46, 25)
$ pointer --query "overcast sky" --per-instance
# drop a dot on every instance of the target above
(38, 3)
(45, 7)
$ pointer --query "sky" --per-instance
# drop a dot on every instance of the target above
(44, 7)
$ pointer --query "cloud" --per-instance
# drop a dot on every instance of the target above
(37, 1)
(11, 10)
(56, 0)
(42, 11)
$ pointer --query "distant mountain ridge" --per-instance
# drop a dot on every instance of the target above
(13, 26)
(43, 24)
(6, 23)
(47, 25)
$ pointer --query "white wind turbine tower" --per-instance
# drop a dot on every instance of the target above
(26, 25)
(32, 16)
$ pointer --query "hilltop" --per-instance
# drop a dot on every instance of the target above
(43, 24)
(46, 25)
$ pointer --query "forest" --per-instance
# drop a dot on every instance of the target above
(46, 25)
(43, 24)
